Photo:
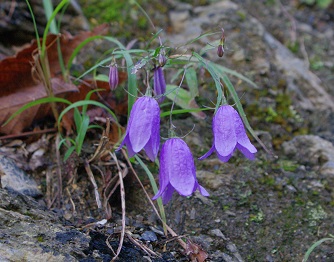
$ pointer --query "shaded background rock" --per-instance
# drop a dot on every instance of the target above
(312, 151)
(16, 26)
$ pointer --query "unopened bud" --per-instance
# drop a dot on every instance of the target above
(220, 51)
(159, 84)
(162, 60)
(113, 77)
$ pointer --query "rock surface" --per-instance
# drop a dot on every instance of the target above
(29, 232)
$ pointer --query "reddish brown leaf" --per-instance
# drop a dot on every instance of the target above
(195, 252)
(11, 103)
(18, 86)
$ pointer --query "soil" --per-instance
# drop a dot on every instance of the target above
(270, 209)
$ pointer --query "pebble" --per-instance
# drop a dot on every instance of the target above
(149, 236)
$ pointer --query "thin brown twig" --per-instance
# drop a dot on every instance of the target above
(30, 133)
(121, 184)
(59, 173)
(147, 250)
(93, 181)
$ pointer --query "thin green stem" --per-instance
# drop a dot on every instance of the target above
(35, 25)
(155, 190)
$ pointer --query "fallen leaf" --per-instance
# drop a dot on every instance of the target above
(195, 252)
(18, 85)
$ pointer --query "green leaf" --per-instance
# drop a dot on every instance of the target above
(69, 152)
(81, 133)
(77, 118)
(192, 82)
(183, 99)
(44, 100)
(310, 250)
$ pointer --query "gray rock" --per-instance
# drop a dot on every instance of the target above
(312, 151)
(28, 232)
(14, 178)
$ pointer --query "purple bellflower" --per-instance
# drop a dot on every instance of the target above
(177, 171)
(113, 77)
(159, 84)
(229, 134)
(143, 128)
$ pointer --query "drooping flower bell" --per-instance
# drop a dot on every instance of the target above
(229, 134)
(143, 130)
(113, 77)
(159, 84)
(177, 171)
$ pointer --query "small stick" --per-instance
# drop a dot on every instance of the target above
(92, 179)
(121, 185)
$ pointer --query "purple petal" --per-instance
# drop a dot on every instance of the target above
(225, 158)
(152, 146)
(208, 153)
(203, 191)
(225, 138)
(245, 146)
(144, 111)
(246, 152)
(167, 194)
(182, 166)
(126, 141)
(163, 171)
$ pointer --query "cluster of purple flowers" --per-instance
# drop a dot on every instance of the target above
(177, 168)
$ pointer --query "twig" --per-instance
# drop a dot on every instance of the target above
(30, 133)
(92, 179)
(147, 250)
(60, 179)
(121, 184)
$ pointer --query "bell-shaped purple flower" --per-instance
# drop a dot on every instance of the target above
(143, 130)
(229, 134)
(113, 77)
(177, 171)
(159, 84)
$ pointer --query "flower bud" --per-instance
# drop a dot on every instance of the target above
(220, 51)
(113, 77)
(162, 60)
(159, 84)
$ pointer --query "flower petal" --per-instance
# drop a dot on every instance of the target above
(207, 153)
(167, 194)
(152, 146)
(246, 152)
(203, 191)
(163, 172)
(225, 138)
(225, 158)
(245, 146)
(181, 172)
(144, 111)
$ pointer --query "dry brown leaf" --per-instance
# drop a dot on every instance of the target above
(196, 252)
(18, 86)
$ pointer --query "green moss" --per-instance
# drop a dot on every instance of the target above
(267, 180)
(257, 216)
(289, 165)
(40, 238)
